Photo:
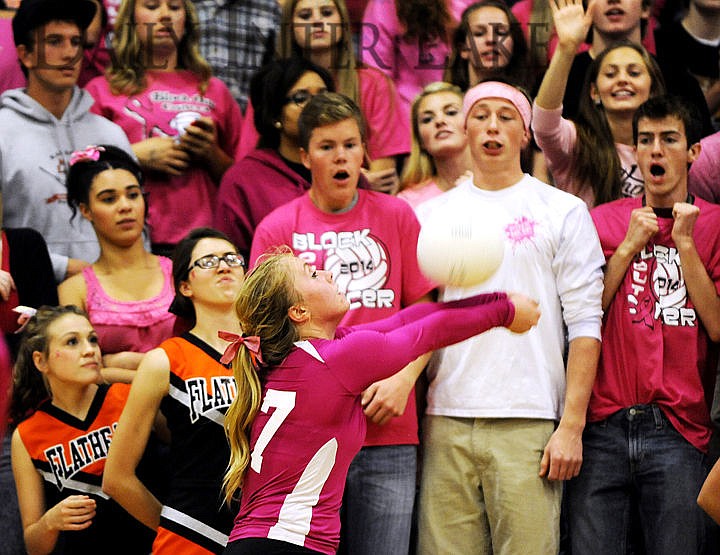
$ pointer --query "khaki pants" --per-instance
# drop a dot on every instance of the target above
(480, 492)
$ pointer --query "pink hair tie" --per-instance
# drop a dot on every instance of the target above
(252, 343)
(90, 154)
(497, 89)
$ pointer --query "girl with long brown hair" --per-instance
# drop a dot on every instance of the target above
(489, 45)
(593, 156)
(67, 416)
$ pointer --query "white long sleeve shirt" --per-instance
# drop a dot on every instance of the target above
(552, 254)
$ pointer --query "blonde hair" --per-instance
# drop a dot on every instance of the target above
(420, 166)
(262, 309)
(345, 64)
(126, 73)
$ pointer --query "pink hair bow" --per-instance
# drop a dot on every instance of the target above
(252, 343)
(91, 153)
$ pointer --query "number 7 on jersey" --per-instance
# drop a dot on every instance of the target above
(284, 403)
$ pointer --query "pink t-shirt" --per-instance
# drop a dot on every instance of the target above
(130, 325)
(171, 101)
(388, 133)
(556, 136)
(371, 251)
(655, 347)
(410, 65)
(311, 423)
(417, 194)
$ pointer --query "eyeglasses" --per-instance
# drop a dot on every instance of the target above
(210, 261)
(301, 97)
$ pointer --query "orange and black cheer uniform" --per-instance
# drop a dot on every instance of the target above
(70, 454)
(194, 518)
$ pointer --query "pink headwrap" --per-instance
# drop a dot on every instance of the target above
(496, 89)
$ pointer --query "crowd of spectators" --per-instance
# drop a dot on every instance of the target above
(153, 151)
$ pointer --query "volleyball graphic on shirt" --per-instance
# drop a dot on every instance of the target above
(364, 265)
(669, 285)
(182, 120)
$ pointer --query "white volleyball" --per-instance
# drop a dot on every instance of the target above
(460, 247)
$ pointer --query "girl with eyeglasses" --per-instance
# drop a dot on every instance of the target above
(126, 292)
(272, 174)
(184, 125)
(185, 379)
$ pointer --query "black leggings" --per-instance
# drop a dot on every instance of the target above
(265, 546)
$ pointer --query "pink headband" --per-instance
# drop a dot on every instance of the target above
(496, 89)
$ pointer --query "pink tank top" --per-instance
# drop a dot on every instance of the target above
(130, 325)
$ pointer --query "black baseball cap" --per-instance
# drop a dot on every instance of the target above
(34, 13)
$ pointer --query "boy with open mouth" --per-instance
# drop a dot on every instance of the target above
(504, 419)
(368, 241)
(648, 420)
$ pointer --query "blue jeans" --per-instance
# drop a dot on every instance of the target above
(636, 460)
(379, 499)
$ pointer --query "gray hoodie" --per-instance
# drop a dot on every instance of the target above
(35, 149)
